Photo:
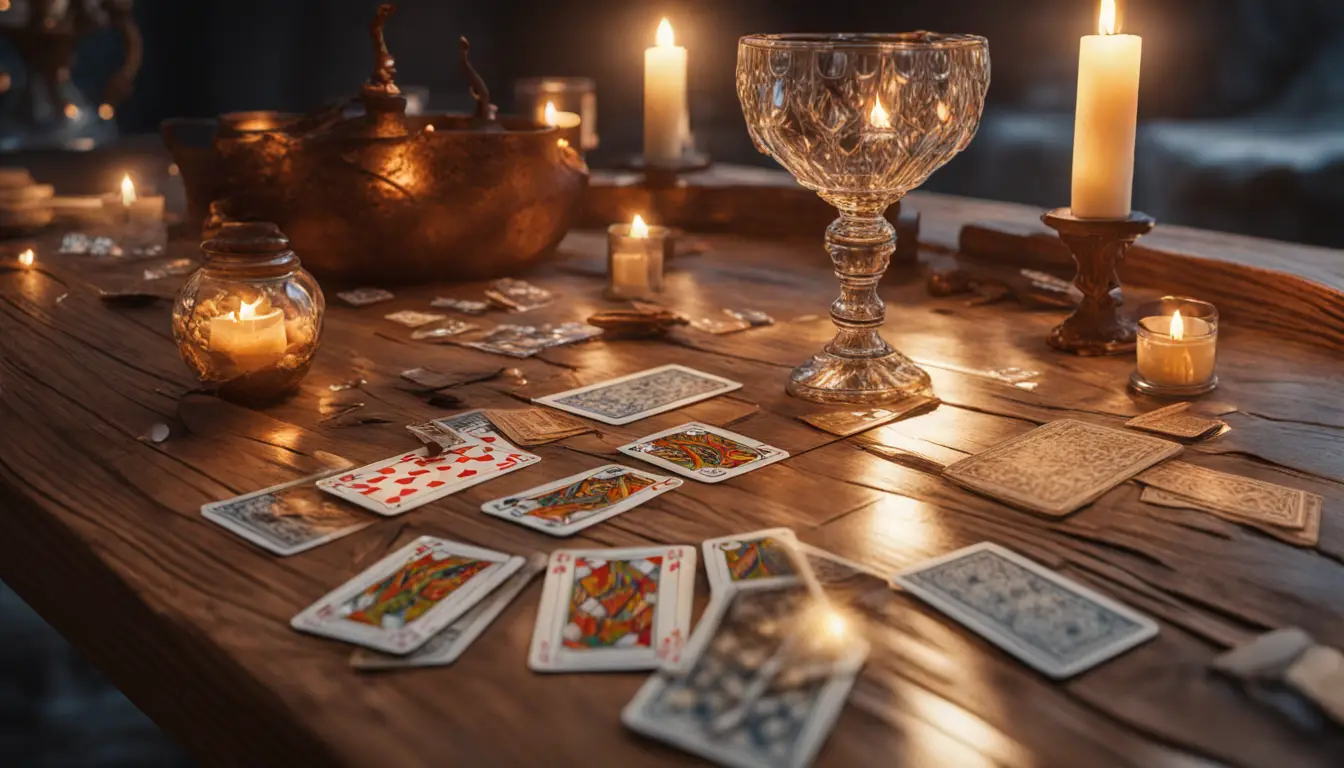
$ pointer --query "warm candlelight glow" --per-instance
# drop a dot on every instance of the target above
(837, 627)
(1177, 326)
(249, 311)
(638, 228)
(943, 111)
(71, 111)
(548, 114)
(106, 112)
(429, 129)
(665, 38)
(1106, 24)
(127, 191)
(879, 117)
(26, 258)
(561, 143)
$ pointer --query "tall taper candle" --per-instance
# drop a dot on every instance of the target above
(664, 99)
(1106, 122)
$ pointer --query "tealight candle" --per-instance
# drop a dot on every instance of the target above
(253, 338)
(635, 254)
(566, 123)
(1177, 348)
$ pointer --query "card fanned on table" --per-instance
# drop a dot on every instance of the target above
(1060, 467)
(1243, 498)
(1054, 625)
(400, 602)
(536, 426)
(849, 423)
(1176, 421)
(288, 518)
(566, 506)
(703, 452)
(614, 609)
(640, 395)
(1309, 535)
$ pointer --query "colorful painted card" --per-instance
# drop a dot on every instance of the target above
(759, 556)
(704, 453)
(569, 505)
(614, 609)
(400, 602)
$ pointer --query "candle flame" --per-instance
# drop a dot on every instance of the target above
(837, 628)
(562, 143)
(665, 38)
(944, 112)
(26, 258)
(249, 311)
(879, 117)
(638, 228)
(1177, 327)
(429, 129)
(127, 191)
(1106, 23)
(548, 114)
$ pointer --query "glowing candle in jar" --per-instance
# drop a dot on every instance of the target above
(146, 209)
(253, 337)
(666, 117)
(1106, 121)
(565, 123)
(635, 259)
(879, 118)
(1177, 351)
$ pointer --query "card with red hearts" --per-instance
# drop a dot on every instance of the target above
(406, 481)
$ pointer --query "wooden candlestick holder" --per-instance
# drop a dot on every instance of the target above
(1098, 245)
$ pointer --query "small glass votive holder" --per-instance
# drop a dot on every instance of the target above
(1177, 348)
(635, 257)
(577, 95)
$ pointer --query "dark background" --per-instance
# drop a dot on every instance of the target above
(1242, 130)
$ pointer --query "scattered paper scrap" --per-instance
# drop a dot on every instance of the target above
(174, 268)
(518, 295)
(447, 328)
(413, 319)
(363, 297)
(465, 306)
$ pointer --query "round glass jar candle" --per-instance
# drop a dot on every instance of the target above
(577, 95)
(1177, 348)
(636, 253)
(248, 322)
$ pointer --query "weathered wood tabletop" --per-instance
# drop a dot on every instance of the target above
(101, 529)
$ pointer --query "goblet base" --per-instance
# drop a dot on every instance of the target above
(835, 379)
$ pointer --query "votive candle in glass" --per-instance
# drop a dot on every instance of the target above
(635, 256)
(1177, 348)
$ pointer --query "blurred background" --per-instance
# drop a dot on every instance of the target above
(1242, 130)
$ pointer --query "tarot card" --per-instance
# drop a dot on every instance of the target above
(1308, 536)
(288, 518)
(409, 480)
(537, 426)
(569, 505)
(525, 340)
(848, 423)
(443, 648)
(761, 690)
(1176, 421)
(1060, 467)
(704, 453)
(400, 602)
(363, 297)
(1054, 625)
(760, 556)
(614, 609)
(1241, 497)
(639, 395)
(413, 319)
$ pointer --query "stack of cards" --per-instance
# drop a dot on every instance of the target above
(1286, 513)
(288, 518)
(614, 609)
(640, 395)
(1176, 421)
(704, 453)
(568, 505)
(403, 600)
(535, 426)
(1060, 467)
(1052, 624)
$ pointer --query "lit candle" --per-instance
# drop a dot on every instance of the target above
(253, 337)
(27, 258)
(1177, 351)
(129, 206)
(666, 118)
(1106, 121)
(635, 254)
(566, 123)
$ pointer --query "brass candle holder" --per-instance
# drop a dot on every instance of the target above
(1097, 327)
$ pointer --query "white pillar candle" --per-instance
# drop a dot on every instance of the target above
(666, 119)
(253, 337)
(1177, 351)
(1106, 121)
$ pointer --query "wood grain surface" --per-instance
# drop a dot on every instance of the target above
(101, 530)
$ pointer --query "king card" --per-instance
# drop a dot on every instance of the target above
(760, 556)
(288, 518)
(400, 602)
(704, 453)
(639, 395)
(1054, 625)
(614, 609)
(569, 505)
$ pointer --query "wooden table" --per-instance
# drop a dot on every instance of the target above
(101, 529)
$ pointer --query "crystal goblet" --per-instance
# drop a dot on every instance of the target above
(861, 119)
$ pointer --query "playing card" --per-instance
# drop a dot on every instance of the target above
(439, 437)
(288, 518)
(847, 423)
(614, 609)
(536, 426)
(400, 602)
(1307, 536)
(569, 505)
(1174, 420)
(526, 340)
(430, 379)
(1058, 468)
(409, 480)
(363, 297)
(1241, 497)
(443, 648)
(518, 295)
(465, 306)
(759, 556)
(639, 395)
(413, 319)
(442, 330)
(1054, 625)
(766, 681)
(702, 452)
